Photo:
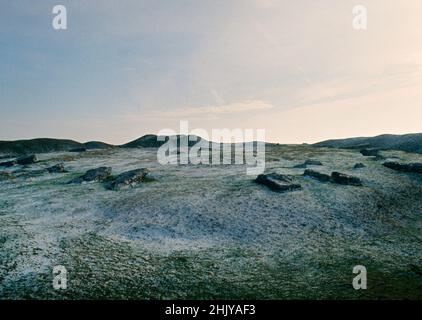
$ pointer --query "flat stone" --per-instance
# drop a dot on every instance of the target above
(405, 167)
(342, 178)
(308, 162)
(277, 182)
(317, 175)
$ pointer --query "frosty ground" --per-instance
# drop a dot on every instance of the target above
(208, 231)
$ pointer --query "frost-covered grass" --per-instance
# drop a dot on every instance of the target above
(201, 231)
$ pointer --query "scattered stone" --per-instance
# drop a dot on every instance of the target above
(370, 152)
(128, 179)
(277, 182)
(98, 174)
(407, 167)
(317, 175)
(345, 179)
(311, 162)
(81, 149)
(308, 162)
(58, 168)
(27, 159)
(359, 165)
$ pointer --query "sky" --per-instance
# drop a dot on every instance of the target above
(297, 69)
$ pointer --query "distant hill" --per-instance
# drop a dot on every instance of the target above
(150, 141)
(43, 145)
(147, 141)
(405, 142)
(37, 146)
(97, 145)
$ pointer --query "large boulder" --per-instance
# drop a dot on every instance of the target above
(406, 167)
(98, 174)
(342, 178)
(277, 182)
(128, 179)
(317, 175)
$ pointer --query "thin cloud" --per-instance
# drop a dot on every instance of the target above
(213, 111)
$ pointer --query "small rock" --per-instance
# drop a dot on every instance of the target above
(317, 175)
(370, 152)
(311, 162)
(308, 162)
(128, 179)
(98, 174)
(27, 159)
(345, 179)
(277, 182)
(408, 167)
(359, 165)
(58, 168)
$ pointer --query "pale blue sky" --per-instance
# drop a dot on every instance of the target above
(126, 68)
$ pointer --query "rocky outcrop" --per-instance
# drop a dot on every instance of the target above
(98, 174)
(317, 175)
(128, 179)
(342, 178)
(405, 167)
(277, 182)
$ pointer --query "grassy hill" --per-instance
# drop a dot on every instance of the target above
(406, 142)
